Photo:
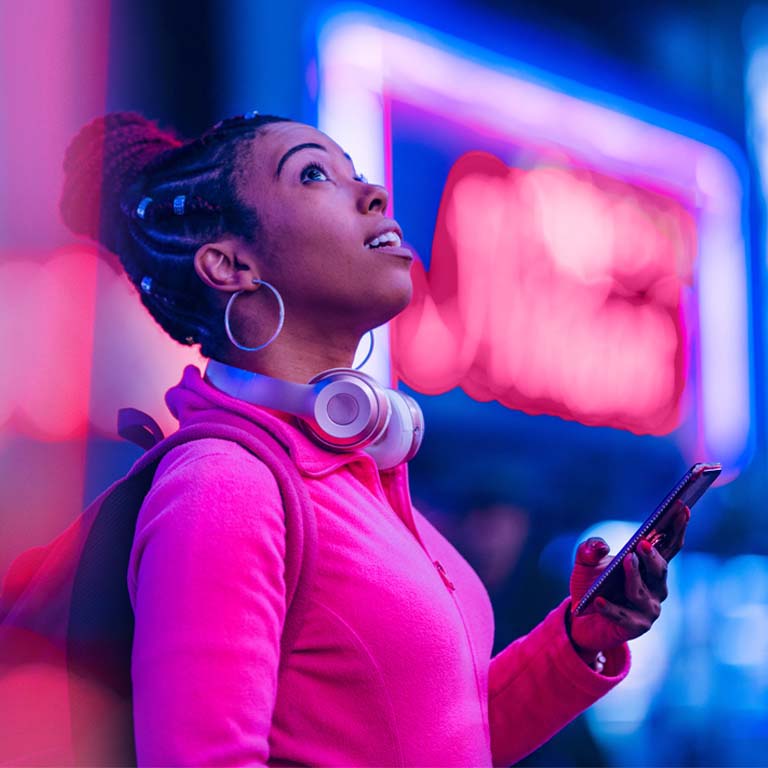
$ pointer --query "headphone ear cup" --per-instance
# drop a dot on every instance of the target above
(402, 437)
(351, 409)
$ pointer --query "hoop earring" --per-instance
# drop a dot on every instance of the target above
(370, 352)
(279, 298)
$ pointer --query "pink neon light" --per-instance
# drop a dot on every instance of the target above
(53, 71)
(47, 327)
(552, 291)
(47, 292)
(47, 335)
(53, 74)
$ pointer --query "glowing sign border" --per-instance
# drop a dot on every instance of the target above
(365, 56)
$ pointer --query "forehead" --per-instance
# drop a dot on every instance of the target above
(277, 138)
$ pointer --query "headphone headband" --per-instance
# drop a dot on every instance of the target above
(341, 409)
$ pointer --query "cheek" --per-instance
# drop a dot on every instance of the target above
(316, 233)
(317, 248)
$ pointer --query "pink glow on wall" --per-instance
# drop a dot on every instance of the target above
(53, 76)
(46, 328)
(52, 334)
(552, 291)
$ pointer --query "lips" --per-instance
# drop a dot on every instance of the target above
(401, 251)
(385, 232)
(386, 227)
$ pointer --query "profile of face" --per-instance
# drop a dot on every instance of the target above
(317, 218)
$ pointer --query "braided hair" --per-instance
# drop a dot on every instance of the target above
(153, 200)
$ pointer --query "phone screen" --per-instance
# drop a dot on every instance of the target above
(610, 583)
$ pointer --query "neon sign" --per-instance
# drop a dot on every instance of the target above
(552, 291)
(691, 329)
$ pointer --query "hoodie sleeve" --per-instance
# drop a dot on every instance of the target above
(206, 581)
(538, 684)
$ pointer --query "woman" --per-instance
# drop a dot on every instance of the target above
(257, 237)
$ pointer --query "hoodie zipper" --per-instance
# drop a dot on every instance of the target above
(448, 583)
(402, 497)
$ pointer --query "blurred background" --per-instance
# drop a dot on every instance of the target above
(584, 185)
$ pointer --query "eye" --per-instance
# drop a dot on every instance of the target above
(309, 172)
(361, 177)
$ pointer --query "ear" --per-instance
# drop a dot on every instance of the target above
(225, 265)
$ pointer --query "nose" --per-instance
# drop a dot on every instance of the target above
(373, 197)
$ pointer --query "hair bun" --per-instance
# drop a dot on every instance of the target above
(101, 162)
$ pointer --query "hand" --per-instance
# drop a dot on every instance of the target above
(605, 625)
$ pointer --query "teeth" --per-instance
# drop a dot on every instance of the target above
(388, 238)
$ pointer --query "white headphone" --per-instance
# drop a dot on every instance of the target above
(341, 409)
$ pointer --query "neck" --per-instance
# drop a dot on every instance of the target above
(297, 359)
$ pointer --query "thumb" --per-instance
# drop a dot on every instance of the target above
(592, 551)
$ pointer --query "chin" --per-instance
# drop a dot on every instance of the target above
(399, 302)
(380, 306)
(399, 296)
(406, 297)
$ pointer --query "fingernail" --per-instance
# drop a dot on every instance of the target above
(601, 602)
(644, 546)
(597, 545)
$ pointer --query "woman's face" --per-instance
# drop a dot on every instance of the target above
(317, 217)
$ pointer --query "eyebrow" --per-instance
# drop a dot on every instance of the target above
(297, 148)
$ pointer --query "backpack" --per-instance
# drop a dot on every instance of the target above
(66, 622)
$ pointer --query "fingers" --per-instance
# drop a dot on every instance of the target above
(643, 599)
(655, 568)
(608, 625)
(629, 622)
(590, 561)
(655, 558)
(592, 551)
(675, 533)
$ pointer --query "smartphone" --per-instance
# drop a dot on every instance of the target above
(610, 583)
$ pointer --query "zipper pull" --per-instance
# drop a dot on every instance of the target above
(444, 575)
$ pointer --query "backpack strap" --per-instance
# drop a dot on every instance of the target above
(101, 621)
(138, 427)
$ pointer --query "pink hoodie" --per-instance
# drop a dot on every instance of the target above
(392, 666)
